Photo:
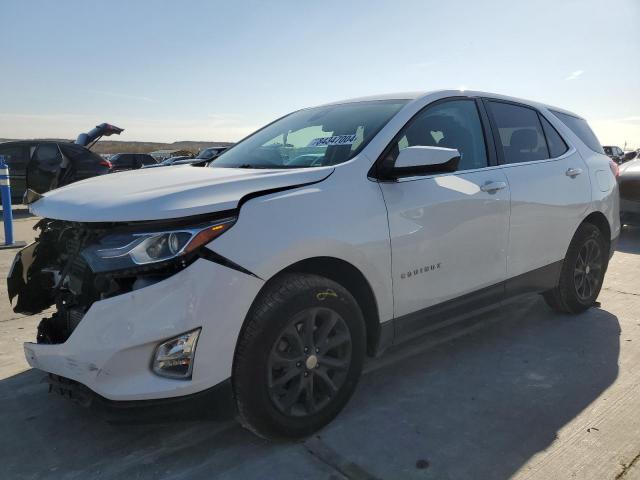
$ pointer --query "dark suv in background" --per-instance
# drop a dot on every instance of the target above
(130, 161)
(43, 165)
(614, 153)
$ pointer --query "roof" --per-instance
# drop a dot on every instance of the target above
(451, 92)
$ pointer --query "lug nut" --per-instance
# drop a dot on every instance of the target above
(306, 374)
(317, 350)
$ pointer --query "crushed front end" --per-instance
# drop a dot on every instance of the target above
(131, 303)
(55, 270)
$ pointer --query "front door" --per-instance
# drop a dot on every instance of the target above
(448, 231)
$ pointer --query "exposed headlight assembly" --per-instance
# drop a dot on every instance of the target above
(125, 250)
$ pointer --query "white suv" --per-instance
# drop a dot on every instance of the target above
(328, 235)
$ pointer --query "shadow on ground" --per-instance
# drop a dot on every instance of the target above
(481, 405)
(629, 241)
(467, 403)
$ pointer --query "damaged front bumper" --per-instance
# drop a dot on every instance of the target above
(106, 339)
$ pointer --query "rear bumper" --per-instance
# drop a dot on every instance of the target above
(112, 348)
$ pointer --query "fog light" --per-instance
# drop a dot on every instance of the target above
(174, 358)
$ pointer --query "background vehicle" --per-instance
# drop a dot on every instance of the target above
(172, 161)
(630, 155)
(130, 161)
(629, 182)
(210, 153)
(92, 136)
(161, 155)
(43, 165)
(614, 153)
(332, 233)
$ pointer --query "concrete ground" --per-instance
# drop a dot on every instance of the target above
(518, 393)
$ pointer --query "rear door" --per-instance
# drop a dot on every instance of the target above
(550, 191)
(16, 157)
(448, 231)
(44, 167)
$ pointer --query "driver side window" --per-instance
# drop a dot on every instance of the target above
(450, 124)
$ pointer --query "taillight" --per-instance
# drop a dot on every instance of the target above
(105, 163)
(614, 168)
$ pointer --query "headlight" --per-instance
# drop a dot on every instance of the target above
(125, 250)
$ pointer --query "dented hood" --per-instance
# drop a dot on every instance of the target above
(164, 193)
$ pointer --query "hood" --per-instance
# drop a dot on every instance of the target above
(165, 193)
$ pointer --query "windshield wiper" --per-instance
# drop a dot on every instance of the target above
(257, 167)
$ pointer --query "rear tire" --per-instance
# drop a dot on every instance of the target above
(582, 272)
(299, 357)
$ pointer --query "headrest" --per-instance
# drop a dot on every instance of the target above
(524, 139)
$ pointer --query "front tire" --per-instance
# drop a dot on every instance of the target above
(299, 356)
(582, 272)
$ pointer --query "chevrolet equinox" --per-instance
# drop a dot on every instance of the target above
(326, 236)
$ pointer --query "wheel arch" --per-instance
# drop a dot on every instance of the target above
(599, 220)
(347, 275)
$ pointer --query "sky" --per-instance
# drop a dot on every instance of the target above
(217, 70)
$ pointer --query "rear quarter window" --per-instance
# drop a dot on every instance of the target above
(556, 144)
(581, 128)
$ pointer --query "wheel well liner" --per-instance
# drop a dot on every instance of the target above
(599, 220)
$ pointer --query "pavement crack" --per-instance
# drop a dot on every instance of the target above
(622, 291)
(627, 466)
(323, 452)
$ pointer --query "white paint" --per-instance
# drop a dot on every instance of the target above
(458, 237)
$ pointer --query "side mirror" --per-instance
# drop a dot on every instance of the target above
(413, 161)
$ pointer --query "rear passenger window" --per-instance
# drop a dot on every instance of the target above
(520, 131)
(450, 124)
(555, 142)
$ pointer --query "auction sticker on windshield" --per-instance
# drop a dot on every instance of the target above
(332, 141)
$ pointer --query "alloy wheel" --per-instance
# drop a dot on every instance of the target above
(309, 362)
(587, 273)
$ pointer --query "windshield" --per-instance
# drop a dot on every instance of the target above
(313, 137)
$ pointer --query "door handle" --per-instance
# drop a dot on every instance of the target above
(573, 172)
(492, 187)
